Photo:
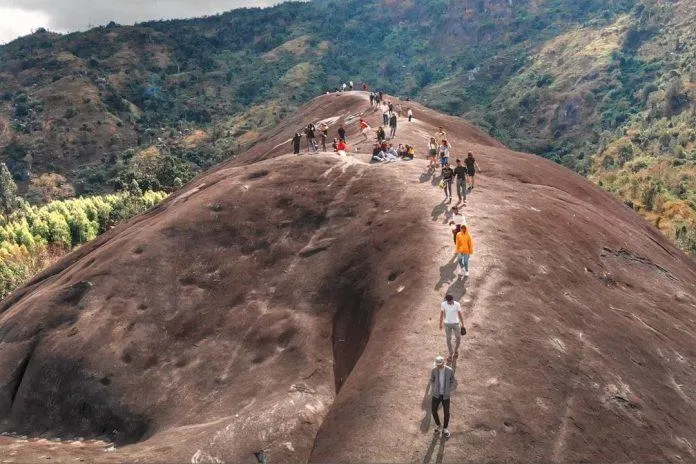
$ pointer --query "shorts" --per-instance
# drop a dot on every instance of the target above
(470, 173)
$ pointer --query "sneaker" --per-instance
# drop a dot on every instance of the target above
(466, 273)
(446, 433)
(437, 430)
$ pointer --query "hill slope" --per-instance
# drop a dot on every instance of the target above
(289, 304)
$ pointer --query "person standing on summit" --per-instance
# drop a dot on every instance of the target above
(296, 143)
(392, 126)
(311, 138)
(441, 383)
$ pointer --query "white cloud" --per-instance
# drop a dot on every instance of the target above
(19, 17)
(15, 22)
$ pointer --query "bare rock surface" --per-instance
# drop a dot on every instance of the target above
(284, 308)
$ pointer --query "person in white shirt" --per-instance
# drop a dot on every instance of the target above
(456, 222)
(451, 316)
(410, 114)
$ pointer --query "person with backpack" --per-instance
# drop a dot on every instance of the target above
(464, 246)
(472, 168)
(311, 138)
(392, 126)
(441, 384)
(296, 143)
(451, 317)
(443, 150)
(341, 132)
(447, 178)
(460, 173)
(432, 153)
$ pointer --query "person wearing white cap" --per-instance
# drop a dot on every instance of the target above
(441, 382)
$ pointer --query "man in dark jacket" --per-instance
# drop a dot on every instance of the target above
(296, 143)
(392, 125)
(441, 383)
(461, 173)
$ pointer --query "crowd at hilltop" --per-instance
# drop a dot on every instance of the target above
(461, 175)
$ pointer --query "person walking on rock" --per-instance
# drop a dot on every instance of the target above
(296, 143)
(465, 248)
(432, 153)
(364, 128)
(447, 177)
(410, 114)
(350, 85)
(472, 168)
(385, 113)
(441, 382)
(456, 222)
(392, 126)
(451, 319)
(440, 135)
(341, 132)
(460, 173)
(444, 151)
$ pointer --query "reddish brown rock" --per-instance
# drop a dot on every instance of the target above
(285, 308)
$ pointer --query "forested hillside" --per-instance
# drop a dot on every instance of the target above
(604, 87)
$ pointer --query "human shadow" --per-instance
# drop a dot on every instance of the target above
(425, 176)
(439, 209)
(446, 274)
(431, 448)
(425, 422)
(441, 451)
(457, 288)
(435, 179)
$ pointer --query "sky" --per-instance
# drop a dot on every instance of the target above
(21, 17)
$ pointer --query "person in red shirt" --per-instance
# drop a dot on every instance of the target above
(364, 128)
(341, 148)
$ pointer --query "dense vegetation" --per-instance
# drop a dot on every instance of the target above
(31, 236)
(603, 87)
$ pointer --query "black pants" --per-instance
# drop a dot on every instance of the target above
(445, 406)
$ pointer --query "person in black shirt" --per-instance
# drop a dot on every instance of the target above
(311, 138)
(460, 173)
(296, 143)
(392, 126)
(472, 168)
(447, 178)
(341, 133)
(381, 136)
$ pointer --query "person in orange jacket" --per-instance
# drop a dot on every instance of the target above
(464, 249)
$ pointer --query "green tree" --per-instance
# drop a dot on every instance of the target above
(8, 191)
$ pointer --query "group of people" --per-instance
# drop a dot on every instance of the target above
(384, 152)
(451, 319)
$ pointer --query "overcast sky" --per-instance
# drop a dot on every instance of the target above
(20, 17)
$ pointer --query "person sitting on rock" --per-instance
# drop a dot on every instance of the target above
(334, 144)
(342, 148)
(377, 154)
